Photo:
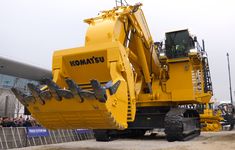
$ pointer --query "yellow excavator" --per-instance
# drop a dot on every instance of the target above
(122, 82)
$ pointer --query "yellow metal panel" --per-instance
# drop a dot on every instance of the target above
(180, 81)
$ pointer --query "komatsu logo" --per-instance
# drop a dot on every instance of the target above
(87, 61)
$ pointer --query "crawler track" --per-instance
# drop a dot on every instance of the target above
(182, 124)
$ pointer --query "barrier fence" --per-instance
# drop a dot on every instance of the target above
(17, 137)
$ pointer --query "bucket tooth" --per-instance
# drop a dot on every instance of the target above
(29, 98)
(20, 96)
(35, 91)
(75, 89)
(99, 91)
(53, 87)
(45, 95)
(65, 93)
(113, 87)
(87, 94)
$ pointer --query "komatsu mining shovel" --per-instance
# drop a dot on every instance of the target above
(88, 90)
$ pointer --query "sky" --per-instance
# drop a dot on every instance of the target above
(30, 30)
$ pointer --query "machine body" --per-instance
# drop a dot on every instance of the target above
(121, 81)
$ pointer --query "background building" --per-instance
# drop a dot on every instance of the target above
(9, 105)
(16, 74)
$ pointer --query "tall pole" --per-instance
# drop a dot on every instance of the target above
(230, 85)
(6, 106)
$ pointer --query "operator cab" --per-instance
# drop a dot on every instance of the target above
(178, 44)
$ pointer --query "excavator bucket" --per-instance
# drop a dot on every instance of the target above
(88, 90)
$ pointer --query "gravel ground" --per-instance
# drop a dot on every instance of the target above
(224, 140)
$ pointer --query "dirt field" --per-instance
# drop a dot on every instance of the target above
(207, 141)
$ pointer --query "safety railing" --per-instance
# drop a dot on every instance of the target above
(17, 137)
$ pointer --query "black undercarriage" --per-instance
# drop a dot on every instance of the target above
(179, 124)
